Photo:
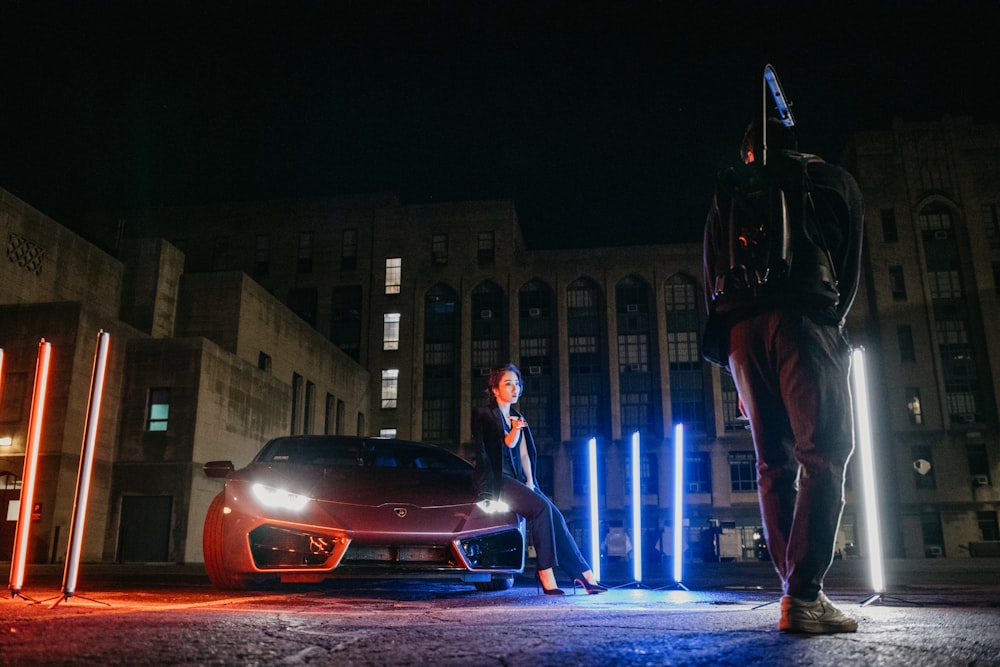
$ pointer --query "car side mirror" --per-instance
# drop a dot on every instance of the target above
(218, 468)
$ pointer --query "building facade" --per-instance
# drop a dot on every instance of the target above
(361, 314)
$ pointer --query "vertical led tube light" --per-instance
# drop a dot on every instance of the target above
(861, 404)
(678, 502)
(595, 523)
(32, 444)
(72, 569)
(636, 511)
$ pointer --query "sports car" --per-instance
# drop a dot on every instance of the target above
(309, 508)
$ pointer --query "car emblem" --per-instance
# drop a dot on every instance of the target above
(400, 512)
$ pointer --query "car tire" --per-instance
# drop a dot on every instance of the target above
(213, 548)
(501, 583)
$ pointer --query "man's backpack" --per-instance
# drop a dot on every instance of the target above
(773, 235)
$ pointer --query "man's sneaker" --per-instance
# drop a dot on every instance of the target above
(818, 618)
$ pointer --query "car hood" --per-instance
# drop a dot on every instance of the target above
(369, 487)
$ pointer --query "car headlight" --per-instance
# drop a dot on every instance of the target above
(493, 506)
(279, 497)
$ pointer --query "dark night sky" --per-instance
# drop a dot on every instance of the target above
(605, 122)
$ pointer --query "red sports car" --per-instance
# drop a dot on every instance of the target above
(309, 508)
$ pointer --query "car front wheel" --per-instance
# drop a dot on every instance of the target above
(214, 549)
(500, 583)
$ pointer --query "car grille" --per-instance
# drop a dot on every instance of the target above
(362, 555)
(500, 550)
(274, 548)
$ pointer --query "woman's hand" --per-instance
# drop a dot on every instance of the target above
(516, 424)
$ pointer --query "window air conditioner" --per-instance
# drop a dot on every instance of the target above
(485, 314)
(534, 312)
(534, 370)
(632, 308)
(980, 480)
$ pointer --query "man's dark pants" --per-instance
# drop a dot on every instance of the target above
(792, 374)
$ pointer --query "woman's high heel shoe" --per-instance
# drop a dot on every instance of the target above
(592, 589)
(539, 587)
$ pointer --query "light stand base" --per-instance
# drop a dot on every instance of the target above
(883, 598)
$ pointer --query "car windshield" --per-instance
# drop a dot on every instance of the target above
(340, 452)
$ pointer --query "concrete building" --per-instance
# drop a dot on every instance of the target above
(361, 314)
(200, 367)
(929, 319)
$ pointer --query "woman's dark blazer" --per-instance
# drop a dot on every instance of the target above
(487, 435)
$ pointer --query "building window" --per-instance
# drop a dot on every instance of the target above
(387, 433)
(923, 468)
(979, 465)
(732, 418)
(309, 408)
(996, 278)
(944, 284)
(589, 402)
(440, 410)
(913, 406)
(889, 233)
(649, 478)
(158, 411)
(904, 338)
(264, 362)
(698, 473)
(341, 408)
(991, 226)
(262, 255)
(486, 254)
(390, 331)
(390, 387)
(988, 527)
(393, 274)
(742, 471)
(305, 256)
(896, 283)
(329, 415)
(297, 383)
(933, 535)
(687, 377)
(439, 249)
(345, 323)
(349, 250)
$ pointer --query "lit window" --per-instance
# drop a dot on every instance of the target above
(913, 406)
(390, 331)
(387, 433)
(742, 471)
(159, 409)
(393, 274)
(390, 387)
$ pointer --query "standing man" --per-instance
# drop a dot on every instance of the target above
(782, 260)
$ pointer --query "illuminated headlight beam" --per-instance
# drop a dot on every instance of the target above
(493, 506)
(279, 498)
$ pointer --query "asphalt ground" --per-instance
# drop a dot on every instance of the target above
(933, 612)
